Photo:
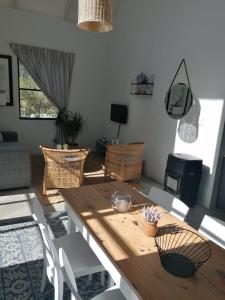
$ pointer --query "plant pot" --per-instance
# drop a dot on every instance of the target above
(150, 228)
(73, 146)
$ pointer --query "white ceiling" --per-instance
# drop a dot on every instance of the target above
(65, 9)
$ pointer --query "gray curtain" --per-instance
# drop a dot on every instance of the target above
(50, 69)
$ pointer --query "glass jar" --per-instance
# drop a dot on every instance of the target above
(121, 202)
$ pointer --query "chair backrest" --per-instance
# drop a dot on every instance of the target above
(133, 150)
(64, 168)
(54, 271)
(124, 160)
(213, 229)
(51, 252)
(167, 201)
(37, 212)
(59, 155)
(68, 274)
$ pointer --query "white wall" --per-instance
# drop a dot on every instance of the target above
(207, 145)
(88, 85)
(153, 36)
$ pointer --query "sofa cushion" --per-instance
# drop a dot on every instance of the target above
(15, 166)
(9, 136)
(11, 147)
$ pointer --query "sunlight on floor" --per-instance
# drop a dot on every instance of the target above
(15, 203)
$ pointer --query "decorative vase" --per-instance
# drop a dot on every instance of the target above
(142, 78)
(150, 228)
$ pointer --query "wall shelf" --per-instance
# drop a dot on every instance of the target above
(142, 89)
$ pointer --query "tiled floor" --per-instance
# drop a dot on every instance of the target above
(15, 203)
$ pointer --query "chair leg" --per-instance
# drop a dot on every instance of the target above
(90, 277)
(105, 173)
(43, 280)
(69, 225)
(103, 278)
(44, 274)
(58, 286)
(44, 187)
(72, 297)
(110, 282)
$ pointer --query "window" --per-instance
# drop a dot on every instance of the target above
(33, 102)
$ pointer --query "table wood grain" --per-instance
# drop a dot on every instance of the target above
(134, 254)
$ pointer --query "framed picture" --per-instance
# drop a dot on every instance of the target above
(6, 86)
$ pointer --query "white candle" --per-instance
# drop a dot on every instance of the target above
(122, 206)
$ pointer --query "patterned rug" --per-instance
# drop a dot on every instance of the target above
(21, 263)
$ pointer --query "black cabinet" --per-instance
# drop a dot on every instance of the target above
(182, 177)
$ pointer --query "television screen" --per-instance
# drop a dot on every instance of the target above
(119, 113)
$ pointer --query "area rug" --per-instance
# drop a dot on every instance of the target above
(93, 174)
(21, 263)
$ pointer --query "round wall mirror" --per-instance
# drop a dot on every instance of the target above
(178, 100)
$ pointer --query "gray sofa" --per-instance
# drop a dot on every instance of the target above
(15, 165)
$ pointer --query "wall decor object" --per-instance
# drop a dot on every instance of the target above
(189, 125)
(95, 15)
(179, 97)
(141, 85)
(6, 86)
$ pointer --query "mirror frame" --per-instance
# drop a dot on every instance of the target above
(185, 98)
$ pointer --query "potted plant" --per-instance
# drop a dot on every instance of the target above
(70, 124)
(152, 215)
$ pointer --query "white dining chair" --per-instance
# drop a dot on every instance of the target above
(112, 293)
(213, 229)
(84, 261)
(170, 203)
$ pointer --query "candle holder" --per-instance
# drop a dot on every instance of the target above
(121, 202)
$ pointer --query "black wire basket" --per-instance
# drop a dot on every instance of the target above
(181, 251)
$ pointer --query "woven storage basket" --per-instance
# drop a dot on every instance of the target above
(95, 15)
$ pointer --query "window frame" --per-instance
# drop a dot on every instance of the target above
(35, 90)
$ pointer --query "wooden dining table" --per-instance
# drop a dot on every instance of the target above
(129, 255)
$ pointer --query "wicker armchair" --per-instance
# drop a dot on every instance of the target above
(63, 168)
(124, 162)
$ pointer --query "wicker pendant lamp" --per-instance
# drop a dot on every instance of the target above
(95, 15)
